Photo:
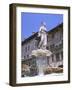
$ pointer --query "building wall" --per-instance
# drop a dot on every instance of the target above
(55, 44)
(28, 47)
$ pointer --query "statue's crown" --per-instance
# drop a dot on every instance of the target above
(43, 23)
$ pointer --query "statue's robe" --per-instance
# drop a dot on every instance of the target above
(43, 35)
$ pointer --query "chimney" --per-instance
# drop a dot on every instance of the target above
(33, 33)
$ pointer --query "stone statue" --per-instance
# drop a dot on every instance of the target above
(43, 36)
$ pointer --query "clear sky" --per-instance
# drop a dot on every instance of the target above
(30, 22)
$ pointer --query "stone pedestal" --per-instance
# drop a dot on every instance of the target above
(41, 59)
(41, 64)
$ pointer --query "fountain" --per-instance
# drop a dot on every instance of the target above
(41, 53)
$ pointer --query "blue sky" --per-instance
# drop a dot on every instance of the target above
(30, 22)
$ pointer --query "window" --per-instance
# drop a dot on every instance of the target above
(52, 58)
(28, 47)
(27, 56)
(47, 48)
(24, 57)
(36, 44)
(57, 57)
(61, 34)
(52, 35)
(52, 47)
(49, 37)
(25, 49)
(48, 60)
(62, 54)
(57, 36)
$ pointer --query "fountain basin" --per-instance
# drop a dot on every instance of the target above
(41, 52)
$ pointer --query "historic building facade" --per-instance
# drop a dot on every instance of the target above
(55, 45)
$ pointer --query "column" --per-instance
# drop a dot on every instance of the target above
(55, 61)
(60, 56)
(54, 58)
(50, 60)
(61, 61)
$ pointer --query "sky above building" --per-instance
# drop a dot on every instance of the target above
(31, 22)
